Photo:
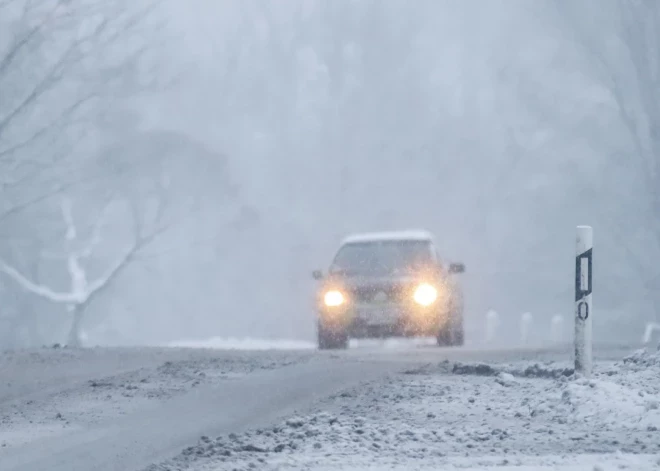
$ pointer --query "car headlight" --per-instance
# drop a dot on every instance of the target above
(425, 294)
(333, 298)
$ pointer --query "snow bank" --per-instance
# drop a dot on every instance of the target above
(607, 403)
(524, 370)
(611, 462)
(643, 359)
(625, 395)
(326, 442)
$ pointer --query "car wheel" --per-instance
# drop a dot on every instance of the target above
(459, 336)
(331, 340)
(451, 335)
(443, 338)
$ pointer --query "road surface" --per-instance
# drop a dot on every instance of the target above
(124, 409)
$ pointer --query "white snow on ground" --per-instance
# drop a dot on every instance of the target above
(247, 343)
(518, 416)
(393, 343)
(88, 387)
(612, 462)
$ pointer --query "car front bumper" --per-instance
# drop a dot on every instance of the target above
(392, 320)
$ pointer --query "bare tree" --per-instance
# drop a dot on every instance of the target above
(79, 250)
(59, 62)
(623, 55)
(618, 50)
(156, 186)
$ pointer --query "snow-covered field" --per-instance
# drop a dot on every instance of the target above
(452, 415)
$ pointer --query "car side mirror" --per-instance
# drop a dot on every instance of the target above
(317, 274)
(456, 268)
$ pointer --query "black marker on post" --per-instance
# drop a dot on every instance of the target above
(583, 308)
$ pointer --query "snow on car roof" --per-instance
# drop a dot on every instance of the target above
(388, 236)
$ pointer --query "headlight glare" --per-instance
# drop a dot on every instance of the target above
(425, 294)
(333, 298)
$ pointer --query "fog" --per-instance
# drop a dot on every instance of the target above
(175, 170)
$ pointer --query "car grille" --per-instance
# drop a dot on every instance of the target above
(372, 293)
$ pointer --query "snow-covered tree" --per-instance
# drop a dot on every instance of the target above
(150, 189)
(63, 65)
(60, 62)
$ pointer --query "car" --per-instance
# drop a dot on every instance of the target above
(389, 284)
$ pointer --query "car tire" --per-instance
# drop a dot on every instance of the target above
(459, 336)
(451, 336)
(331, 340)
(443, 337)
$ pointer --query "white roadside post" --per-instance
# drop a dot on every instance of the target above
(583, 308)
(648, 332)
(492, 321)
(557, 328)
(525, 327)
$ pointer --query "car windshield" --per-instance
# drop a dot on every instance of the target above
(382, 257)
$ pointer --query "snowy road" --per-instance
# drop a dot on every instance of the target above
(123, 409)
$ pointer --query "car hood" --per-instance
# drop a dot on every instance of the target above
(361, 280)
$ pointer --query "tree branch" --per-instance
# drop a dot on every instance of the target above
(95, 237)
(102, 282)
(18, 45)
(44, 196)
(52, 77)
(69, 111)
(37, 289)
